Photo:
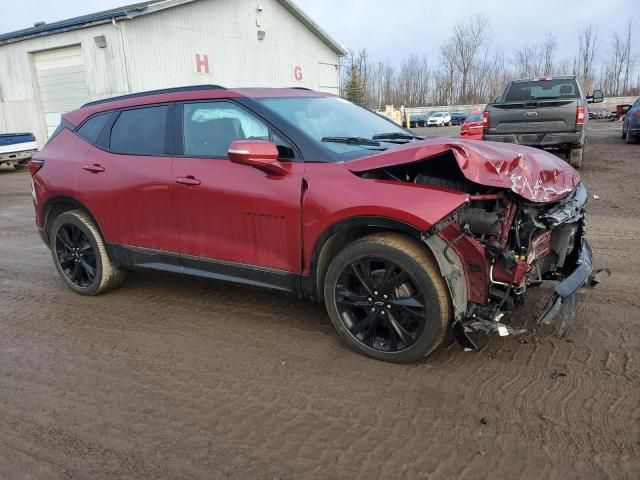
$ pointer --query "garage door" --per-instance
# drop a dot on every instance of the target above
(62, 82)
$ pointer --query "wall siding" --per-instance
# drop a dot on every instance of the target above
(158, 51)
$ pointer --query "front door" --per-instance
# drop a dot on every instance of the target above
(232, 214)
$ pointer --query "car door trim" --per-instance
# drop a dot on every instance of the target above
(151, 259)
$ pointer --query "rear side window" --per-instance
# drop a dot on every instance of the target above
(140, 132)
(91, 129)
(543, 89)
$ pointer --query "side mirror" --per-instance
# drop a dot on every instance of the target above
(497, 100)
(258, 154)
(597, 97)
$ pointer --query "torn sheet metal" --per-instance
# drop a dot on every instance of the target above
(534, 174)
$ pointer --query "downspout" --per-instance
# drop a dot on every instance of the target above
(124, 55)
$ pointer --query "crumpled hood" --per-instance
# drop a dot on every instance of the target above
(533, 174)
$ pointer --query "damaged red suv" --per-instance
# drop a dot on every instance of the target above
(403, 239)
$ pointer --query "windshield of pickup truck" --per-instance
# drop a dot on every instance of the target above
(344, 129)
(565, 88)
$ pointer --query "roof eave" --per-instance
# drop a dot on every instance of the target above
(313, 26)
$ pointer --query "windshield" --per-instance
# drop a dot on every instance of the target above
(541, 89)
(341, 127)
(439, 114)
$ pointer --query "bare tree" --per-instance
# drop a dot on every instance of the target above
(548, 51)
(470, 70)
(468, 37)
(588, 44)
(527, 61)
(628, 58)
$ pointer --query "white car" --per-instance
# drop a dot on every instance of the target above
(17, 149)
(439, 119)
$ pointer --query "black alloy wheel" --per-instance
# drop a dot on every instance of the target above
(380, 304)
(75, 254)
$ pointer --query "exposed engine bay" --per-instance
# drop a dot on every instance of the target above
(506, 243)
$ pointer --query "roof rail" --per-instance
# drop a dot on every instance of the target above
(189, 88)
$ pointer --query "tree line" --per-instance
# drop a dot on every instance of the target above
(470, 70)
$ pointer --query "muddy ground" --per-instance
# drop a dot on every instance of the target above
(173, 377)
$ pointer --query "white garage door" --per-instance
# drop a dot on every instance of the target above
(328, 77)
(62, 82)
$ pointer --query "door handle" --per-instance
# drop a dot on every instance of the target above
(95, 168)
(189, 180)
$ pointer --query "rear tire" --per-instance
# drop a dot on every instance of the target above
(80, 255)
(575, 157)
(629, 138)
(386, 298)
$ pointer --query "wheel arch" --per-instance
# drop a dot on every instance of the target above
(59, 204)
(337, 236)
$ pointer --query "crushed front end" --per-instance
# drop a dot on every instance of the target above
(523, 224)
(508, 245)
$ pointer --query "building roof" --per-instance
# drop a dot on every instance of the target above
(144, 8)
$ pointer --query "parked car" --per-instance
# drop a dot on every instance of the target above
(417, 120)
(631, 124)
(458, 118)
(599, 113)
(17, 149)
(545, 112)
(403, 239)
(621, 110)
(472, 127)
(439, 119)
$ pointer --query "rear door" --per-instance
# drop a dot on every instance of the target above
(125, 177)
(228, 212)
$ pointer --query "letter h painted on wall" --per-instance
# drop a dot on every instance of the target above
(202, 63)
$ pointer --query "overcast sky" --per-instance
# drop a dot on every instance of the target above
(395, 29)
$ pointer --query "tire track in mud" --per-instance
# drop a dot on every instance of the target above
(181, 378)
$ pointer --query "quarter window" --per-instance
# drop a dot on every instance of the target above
(91, 129)
(140, 132)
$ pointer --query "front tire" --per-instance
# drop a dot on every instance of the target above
(80, 255)
(386, 298)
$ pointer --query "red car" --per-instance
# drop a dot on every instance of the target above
(403, 239)
(472, 127)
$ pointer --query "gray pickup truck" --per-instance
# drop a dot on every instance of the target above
(545, 112)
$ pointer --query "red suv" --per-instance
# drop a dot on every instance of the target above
(403, 239)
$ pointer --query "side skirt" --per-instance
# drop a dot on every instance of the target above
(148, 259)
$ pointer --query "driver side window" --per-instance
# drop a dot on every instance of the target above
(210, 127)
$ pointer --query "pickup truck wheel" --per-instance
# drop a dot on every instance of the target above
(386, 298)
(628, 138)
(80, 255)
(575, 157)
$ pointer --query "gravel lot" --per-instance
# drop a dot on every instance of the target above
(172, 377)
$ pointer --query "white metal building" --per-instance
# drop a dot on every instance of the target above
(52, 68)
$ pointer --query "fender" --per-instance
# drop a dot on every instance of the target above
(358, 225)
(49, 206)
